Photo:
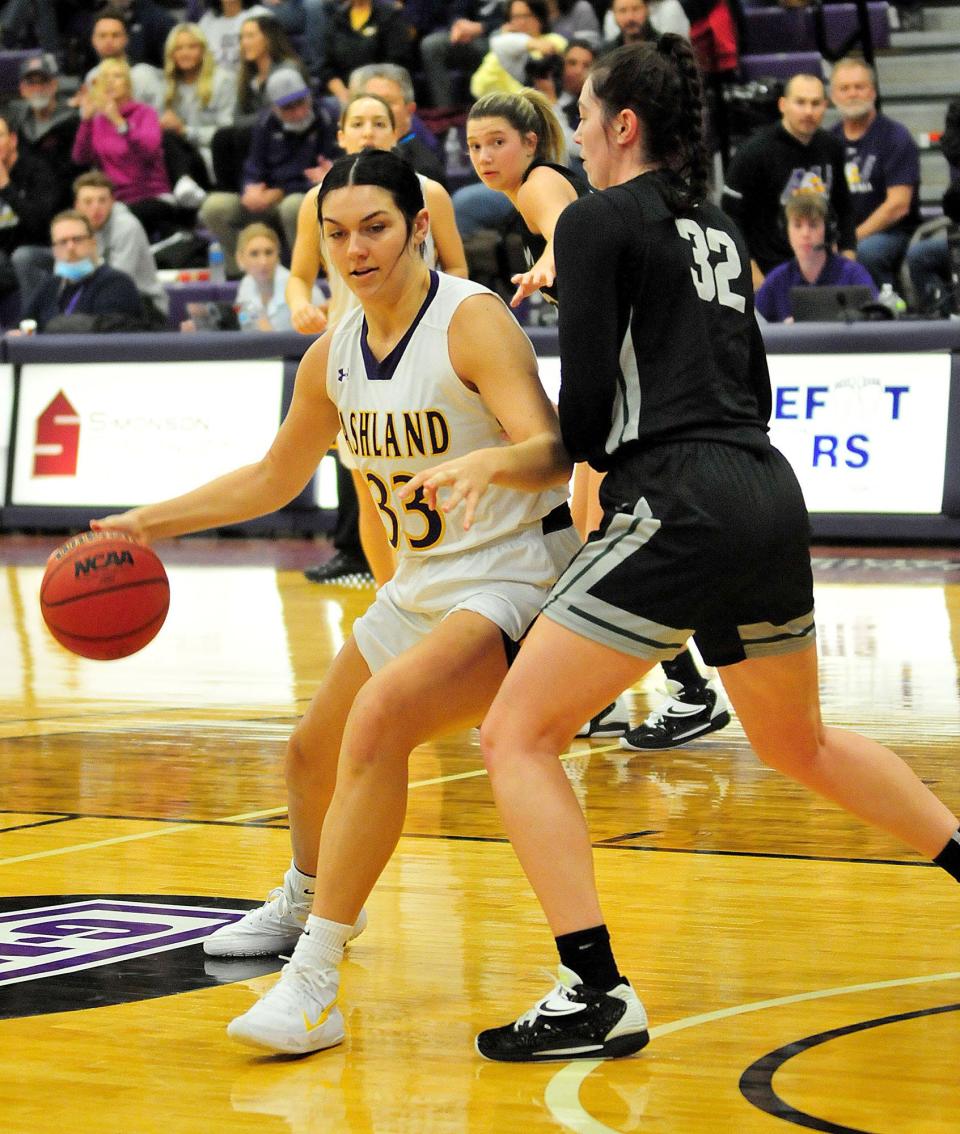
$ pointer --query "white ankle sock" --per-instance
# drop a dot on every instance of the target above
(323, 942)
(299, 886)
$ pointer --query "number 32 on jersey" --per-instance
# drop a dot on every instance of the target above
(713, 281)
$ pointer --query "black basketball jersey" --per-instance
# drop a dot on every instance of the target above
(658, 337)
(533, 242)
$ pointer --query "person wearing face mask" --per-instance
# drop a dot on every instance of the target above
(289, 153)
(43, 121)
(80, 283)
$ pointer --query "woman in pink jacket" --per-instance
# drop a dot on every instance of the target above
(124, 139)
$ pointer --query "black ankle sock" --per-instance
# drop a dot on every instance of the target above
(683, 669)
(588, 953)
(949, 857)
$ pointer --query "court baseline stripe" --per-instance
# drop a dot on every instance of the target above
(247, 817)
(562, 1095)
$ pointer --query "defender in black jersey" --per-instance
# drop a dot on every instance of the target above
(516, 145)
(665, 386)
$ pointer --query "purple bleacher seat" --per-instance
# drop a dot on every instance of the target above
(196, 291)
(841, 21)
(772, 29)
(778, 29)
(10, 69)
(781, 65)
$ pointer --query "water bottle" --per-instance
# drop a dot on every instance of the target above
(453, 159)
(893, 302)
(218, 272)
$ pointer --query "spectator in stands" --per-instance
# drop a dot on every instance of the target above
(110, 40)
(30, 21)
(524, 36)
(460, 46)
(123, 138)
(221, 24)
(264, 47)
(394, 85)
(574, 19)
(632, 19)
(306, 19)
(28, 199)
(147, 24)
(198, 99)
(360, 32)
(121, 240)
(81, 285)
(625, 20)
(261, 297)
(778, 161)
(290, 151)
(44, 122)
(577, 61)
(714, 35)
(883, 171)
(815, 262)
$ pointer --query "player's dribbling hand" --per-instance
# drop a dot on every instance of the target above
(466, 478)
(125, 522)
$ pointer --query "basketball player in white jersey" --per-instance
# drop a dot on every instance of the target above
(366, 120)
(429, 369)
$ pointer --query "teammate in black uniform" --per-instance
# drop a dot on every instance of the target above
(516, 145)
(665, 385)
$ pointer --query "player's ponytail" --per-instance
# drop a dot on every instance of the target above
(529, 112)
(661, 83)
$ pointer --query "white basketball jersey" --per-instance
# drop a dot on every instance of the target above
(410, 412)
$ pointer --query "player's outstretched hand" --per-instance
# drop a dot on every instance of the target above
(540, 275)
(125, 522)
(466, 479)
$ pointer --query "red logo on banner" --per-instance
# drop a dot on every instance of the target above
(58, 439)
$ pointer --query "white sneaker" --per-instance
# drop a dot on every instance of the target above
(298, 1015)
(188, 193)
(269, 930)
(614, 720)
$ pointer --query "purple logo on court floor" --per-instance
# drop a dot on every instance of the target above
(51, 940)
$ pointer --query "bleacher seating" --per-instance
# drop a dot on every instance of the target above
(774, 30)
(781, 65)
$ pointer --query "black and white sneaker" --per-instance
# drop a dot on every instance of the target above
(614, 720)
(571, 1022)
(341, 570)
(680, 718)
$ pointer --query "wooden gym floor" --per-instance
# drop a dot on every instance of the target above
(798, 969)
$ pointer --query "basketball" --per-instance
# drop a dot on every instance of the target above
(104, 595)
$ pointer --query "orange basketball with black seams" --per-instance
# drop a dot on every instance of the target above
(104, 595)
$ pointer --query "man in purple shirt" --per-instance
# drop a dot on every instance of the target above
(815, 262)
(882, 167)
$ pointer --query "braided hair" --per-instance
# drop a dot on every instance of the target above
(661, 83)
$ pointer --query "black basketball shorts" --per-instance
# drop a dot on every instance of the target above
(698, 539)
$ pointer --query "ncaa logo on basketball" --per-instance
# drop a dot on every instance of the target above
(63, 953)
(95, 562)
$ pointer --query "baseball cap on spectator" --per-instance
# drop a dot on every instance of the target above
(286, 86)
(41, 64)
